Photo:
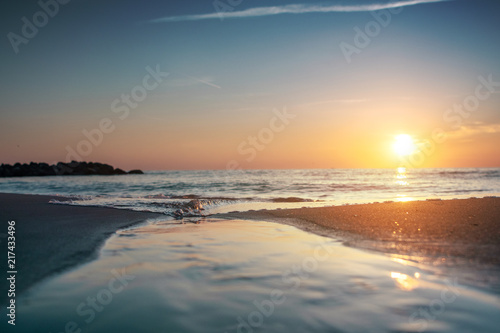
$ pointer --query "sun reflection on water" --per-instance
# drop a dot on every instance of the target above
(401, 180)
(401, 177)
(405, 282)
(404, 198)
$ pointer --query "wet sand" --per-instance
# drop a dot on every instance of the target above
(51, 238)
(445, 231)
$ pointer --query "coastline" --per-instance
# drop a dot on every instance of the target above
(52, 238)
(444, 232)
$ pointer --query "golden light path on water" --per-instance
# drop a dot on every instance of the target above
(402, 180)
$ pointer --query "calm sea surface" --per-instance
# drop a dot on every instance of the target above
(222, 191)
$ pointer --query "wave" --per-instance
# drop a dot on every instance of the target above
(178, 206)
(359, 187)
(291, 199)
(474, 172)
(175, 206)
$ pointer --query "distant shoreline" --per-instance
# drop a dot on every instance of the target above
(74, 168)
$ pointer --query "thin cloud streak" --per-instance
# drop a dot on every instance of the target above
(187, 81)
(293, 9)
(474, 129)
(336, 101)
(204, 82)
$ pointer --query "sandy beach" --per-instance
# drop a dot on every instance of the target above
(51, 238)
(466, 230)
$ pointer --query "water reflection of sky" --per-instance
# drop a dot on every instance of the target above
(216, 275)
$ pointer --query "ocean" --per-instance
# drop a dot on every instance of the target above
(173, 192)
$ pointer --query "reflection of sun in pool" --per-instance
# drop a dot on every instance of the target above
(404, 281)
(404, 145)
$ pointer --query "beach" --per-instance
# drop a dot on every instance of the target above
(240, 272)
(51, 238)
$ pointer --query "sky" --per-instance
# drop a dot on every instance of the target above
(251, 84)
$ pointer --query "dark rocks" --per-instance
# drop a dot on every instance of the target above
(32, 169)
(73, 168)
(119, 171)
(136, 172)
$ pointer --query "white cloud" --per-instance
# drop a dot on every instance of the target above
(294, 9)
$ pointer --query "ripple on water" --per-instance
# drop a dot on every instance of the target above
(240, 276)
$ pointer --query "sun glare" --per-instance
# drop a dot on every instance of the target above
(404, 145)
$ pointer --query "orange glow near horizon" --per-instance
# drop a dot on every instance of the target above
(319, 139)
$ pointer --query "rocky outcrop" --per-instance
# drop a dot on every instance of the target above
(61, 169)
(136, 172)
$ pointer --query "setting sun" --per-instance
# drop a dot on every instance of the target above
(404, 145)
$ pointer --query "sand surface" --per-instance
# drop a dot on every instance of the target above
(466, 230)
(51, 238)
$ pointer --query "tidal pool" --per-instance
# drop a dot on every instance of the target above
(244, 276)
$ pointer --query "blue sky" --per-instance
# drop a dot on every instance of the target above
(227, 75)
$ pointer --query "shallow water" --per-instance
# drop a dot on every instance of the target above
(243, 276)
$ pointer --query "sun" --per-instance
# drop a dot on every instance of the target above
(404, 145)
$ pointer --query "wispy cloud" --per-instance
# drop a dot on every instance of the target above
(335, 101)
(188, 80)
(476, 128)
(294, 9)
(351, 100)
(205, 81)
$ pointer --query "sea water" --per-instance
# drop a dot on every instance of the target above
(223, 191)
